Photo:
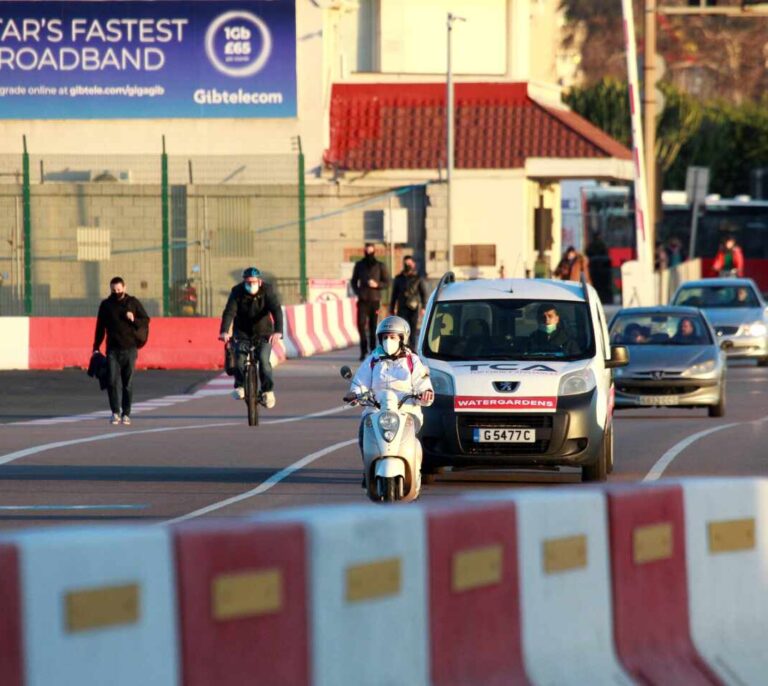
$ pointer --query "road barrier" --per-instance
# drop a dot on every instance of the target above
(513, 587)
(174, 342)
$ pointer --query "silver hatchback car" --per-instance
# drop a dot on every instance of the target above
(674, 359)
(736, 310)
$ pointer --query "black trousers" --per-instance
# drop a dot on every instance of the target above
(120, 367)
(412, 317)
(367, 320)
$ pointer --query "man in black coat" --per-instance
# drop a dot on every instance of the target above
(551, 335)
(369, 278)
(409, 296)
(253, 316)
(122, 318)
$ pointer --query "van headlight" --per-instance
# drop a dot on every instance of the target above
(701, 368)
(442, 383)
(389, 423)
(756, 329)
(576, 383)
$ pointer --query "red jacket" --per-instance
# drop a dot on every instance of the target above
(738, 261)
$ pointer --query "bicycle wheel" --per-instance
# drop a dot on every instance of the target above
(252, 395)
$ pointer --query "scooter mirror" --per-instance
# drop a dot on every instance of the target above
(346, 372)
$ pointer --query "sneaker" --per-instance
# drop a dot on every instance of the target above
(239, 393)
(115, 418)
(269, 399)
(126, 420)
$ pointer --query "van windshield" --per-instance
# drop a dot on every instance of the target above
(509, 330)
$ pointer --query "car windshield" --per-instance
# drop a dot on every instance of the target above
(660, 329)
(509, 330)
(717, 296)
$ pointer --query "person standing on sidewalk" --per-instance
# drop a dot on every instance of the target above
(409, 297)
(369, 278)
(125, 323)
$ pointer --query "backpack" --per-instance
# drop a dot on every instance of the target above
(141, 334)
(408, 359)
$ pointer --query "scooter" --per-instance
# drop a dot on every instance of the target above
(391, 451)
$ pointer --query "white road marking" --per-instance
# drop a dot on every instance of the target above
(666, 459)
(265, 485)
(15, 508)
(124, 433)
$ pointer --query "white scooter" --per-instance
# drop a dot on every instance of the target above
(391, 450)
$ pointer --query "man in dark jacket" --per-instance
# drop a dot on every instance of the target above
(121, 317)
(551, 335)
(409, 296)
(253, 316)
(369, 278)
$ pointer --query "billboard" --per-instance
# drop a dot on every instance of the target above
(147, 59)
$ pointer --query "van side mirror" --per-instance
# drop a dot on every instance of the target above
(619, 357)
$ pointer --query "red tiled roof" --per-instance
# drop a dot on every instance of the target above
(498, 126)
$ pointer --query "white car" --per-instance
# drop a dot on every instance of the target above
(522, 375)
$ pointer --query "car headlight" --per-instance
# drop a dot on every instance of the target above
(389, 423)
(755, 329)
(575, 383)
(701, 368)
(442, 383)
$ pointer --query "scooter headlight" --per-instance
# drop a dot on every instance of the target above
(389, 423)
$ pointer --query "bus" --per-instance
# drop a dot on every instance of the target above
(610, 211)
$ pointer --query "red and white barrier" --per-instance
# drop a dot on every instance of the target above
(727, 548)
(174, 342)
(95, 607)
(650, 586)
(512, 588)
(242, 591)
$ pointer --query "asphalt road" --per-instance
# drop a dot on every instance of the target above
(191, 453)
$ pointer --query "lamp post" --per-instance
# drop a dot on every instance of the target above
(449, 142)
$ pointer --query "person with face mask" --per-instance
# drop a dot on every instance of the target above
(409, 296)
(551, 335)
(369, 278)
(392, 366)
(253, 316)
(122, 319)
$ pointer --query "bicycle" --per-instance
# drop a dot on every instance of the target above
(253, 396)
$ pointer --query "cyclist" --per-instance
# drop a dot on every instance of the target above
(253, 312)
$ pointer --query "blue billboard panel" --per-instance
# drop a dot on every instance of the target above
(147, 59)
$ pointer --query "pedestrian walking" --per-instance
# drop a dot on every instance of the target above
(409, 296)
(572, 266)
(369, 279)
(123, 320)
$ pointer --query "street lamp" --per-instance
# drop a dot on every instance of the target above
(449, 143)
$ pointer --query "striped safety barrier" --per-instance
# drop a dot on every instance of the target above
(174, 342)
(656, 584)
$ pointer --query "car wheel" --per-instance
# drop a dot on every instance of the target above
(598, 471)
(719, 409)
(609, 448)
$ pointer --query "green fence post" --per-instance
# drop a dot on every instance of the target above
(166, 234)
(302, 227)
(26, 210)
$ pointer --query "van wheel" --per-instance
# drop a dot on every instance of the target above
(598, 471)
(609, 448)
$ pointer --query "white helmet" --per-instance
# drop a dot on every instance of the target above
(396, 325)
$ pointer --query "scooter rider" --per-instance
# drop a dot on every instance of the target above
(393, 366)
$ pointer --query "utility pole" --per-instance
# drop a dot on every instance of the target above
(450, 135)
(649, 118)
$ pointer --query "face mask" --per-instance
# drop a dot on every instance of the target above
(252, 288)
(548, 328)
(391, 345)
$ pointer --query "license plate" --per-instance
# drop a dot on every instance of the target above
(505, 435)
(659, 400)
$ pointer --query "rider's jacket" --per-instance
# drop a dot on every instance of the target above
(253, 316)
(404, 374)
